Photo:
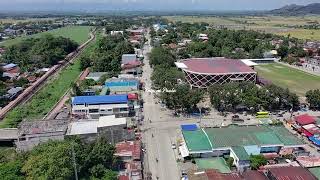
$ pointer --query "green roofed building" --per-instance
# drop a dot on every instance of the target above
(315, 171)
(213, 163)
(197, 141)
(239, 142)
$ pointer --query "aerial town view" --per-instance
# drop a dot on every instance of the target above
(159, 90)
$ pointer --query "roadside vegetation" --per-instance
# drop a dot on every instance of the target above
(53, 160)
(233, 96)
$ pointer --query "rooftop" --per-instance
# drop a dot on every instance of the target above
(292, 173)
(251, 135)
(197, 140)
(213, 163)
(215, 66)
(240, 152)
(254, 175)
(42, 127)
(105, 121)
(307, 161)
(231, 136)
(304, 119)
(315, 171)
(129, 148)
(110, 99)
(96, 74)
(83, 127)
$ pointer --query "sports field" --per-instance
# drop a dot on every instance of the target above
(80, 34)
(297, 81)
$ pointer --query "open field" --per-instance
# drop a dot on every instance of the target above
(42, 102)
(302, 33)
(271, 24)
(79, 34)
(295, 80)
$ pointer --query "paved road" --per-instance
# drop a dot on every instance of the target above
(158, 134)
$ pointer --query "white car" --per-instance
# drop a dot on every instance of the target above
(173, 146)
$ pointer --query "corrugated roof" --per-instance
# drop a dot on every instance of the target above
(250, 135)
(304, 119)
(240, 152)
(315, 171)
(110, 99)
(254, 175)
(292, 173)
(196, 141)
(213, 163)
(216, 66)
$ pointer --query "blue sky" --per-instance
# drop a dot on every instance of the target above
(147, 4)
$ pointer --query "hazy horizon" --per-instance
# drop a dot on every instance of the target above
(146, 5)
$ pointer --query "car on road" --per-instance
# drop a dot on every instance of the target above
(173, 146)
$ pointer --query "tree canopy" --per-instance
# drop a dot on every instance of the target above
(228, 96)
(53, 160)
(41, 52)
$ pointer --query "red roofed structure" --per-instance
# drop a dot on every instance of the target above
(203, 72)
(304, 119)
(133, 96)
(290, 173)
(128, 150)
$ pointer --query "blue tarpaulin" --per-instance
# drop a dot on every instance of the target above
(315, 140)
(189, 127)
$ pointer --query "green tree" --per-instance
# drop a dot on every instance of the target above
(11, 170)
(50, 161)
(257, 160)
(160, 56)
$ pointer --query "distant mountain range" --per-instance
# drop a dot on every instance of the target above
(294, 9)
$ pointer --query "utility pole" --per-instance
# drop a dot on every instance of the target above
(74, 161)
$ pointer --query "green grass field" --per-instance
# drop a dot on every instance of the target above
(302, 33)
(270, 24)
(297, 81)
(47, 97)
(80, 34)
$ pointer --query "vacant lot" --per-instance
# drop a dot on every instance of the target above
(80, 34)
(295, 80)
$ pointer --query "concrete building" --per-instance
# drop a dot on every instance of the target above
(32, 133)
(93, 107)
(110, 127)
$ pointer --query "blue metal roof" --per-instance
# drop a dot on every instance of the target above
(111, 99)
(189, 127)
(122, 83)
(315, 140)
